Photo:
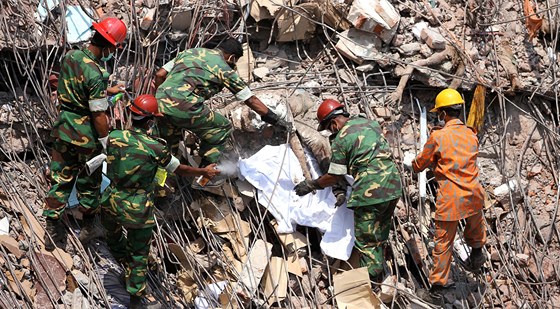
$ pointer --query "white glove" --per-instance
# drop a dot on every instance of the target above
(407, 160)
(103, 141)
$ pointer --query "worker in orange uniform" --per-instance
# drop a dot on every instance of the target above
(451, 152)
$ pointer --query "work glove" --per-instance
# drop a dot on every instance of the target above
(103, 141)
(407, 160)
(306, 187)
(273, 119)
(340, 199)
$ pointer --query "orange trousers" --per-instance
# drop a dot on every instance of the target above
(475, 237)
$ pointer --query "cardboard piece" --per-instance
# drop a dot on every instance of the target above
(265, 9)
(246, 64)
(293, 265)
(352, 290)
(254, 267)
(293, 241)
(11, 245)
(275, 280)
(297, 23)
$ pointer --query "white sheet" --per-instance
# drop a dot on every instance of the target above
(274, 171)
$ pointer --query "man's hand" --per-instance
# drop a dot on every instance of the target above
(306, 187)
(407, 160)
(210, 171)
(116, 89)
(286, 124)
(340, 199)
(103, 141)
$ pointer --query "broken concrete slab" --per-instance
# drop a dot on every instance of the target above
(433, 38)
(297, 23)
(358, 46)
(375, 16)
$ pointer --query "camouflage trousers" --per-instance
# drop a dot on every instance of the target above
(132, 251)
(213, 130)
(67, 164)
(372, 224)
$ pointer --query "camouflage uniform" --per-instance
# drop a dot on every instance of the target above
(359, 149)
(133, 158)
(194, 76)
(81, 89)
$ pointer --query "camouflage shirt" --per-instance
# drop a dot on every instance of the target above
(82, 82)
(359, 149)
(194, 76)
(133, 158)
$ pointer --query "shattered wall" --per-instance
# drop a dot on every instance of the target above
(385, 60)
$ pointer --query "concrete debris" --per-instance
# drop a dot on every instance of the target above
(223, 247)
(375, 16)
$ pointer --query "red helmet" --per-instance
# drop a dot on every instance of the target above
(145, 105)
(326, 111)
(112, 29)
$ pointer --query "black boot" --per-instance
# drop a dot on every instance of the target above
(89, 230)
(135, 302)
(475, 260)
(434, 296)
(55, 232)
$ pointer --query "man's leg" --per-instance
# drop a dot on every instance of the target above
(475, 237)
(87, 187)
(442, 253)
(372, 230)
(64, 167)
(214, 131)
(138, 247)
(115, 238)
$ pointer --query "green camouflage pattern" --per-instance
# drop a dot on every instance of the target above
(362, 148)
(371, 228)
(81, 79)
(66, 165)
(132, 250)
(197, 75)
(133, 158)
(210, 127)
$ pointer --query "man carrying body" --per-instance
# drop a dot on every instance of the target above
(193, 77)
(82, 126)
(133, 158)
(451, 152)
(359, 149)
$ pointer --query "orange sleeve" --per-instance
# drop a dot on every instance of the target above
(427, 156)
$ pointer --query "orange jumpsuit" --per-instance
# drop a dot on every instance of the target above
(451, 152)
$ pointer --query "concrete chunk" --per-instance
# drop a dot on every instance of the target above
(375, 16)
(433, 38)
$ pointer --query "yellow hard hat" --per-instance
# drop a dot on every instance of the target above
(447, 97)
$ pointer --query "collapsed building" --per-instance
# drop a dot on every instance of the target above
(238, 246)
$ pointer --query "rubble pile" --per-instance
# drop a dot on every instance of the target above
(385, 60)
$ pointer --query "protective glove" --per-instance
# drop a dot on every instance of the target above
(306, 187)
(407, 160)
(273, 119)
(103, 141)
(340, 199)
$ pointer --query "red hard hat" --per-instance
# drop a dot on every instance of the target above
(325, 110)
(145, 105)
(112, 29)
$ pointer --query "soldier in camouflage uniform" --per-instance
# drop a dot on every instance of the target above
(193, 77)
(82, 126)
(358, 148)
(133, 158)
